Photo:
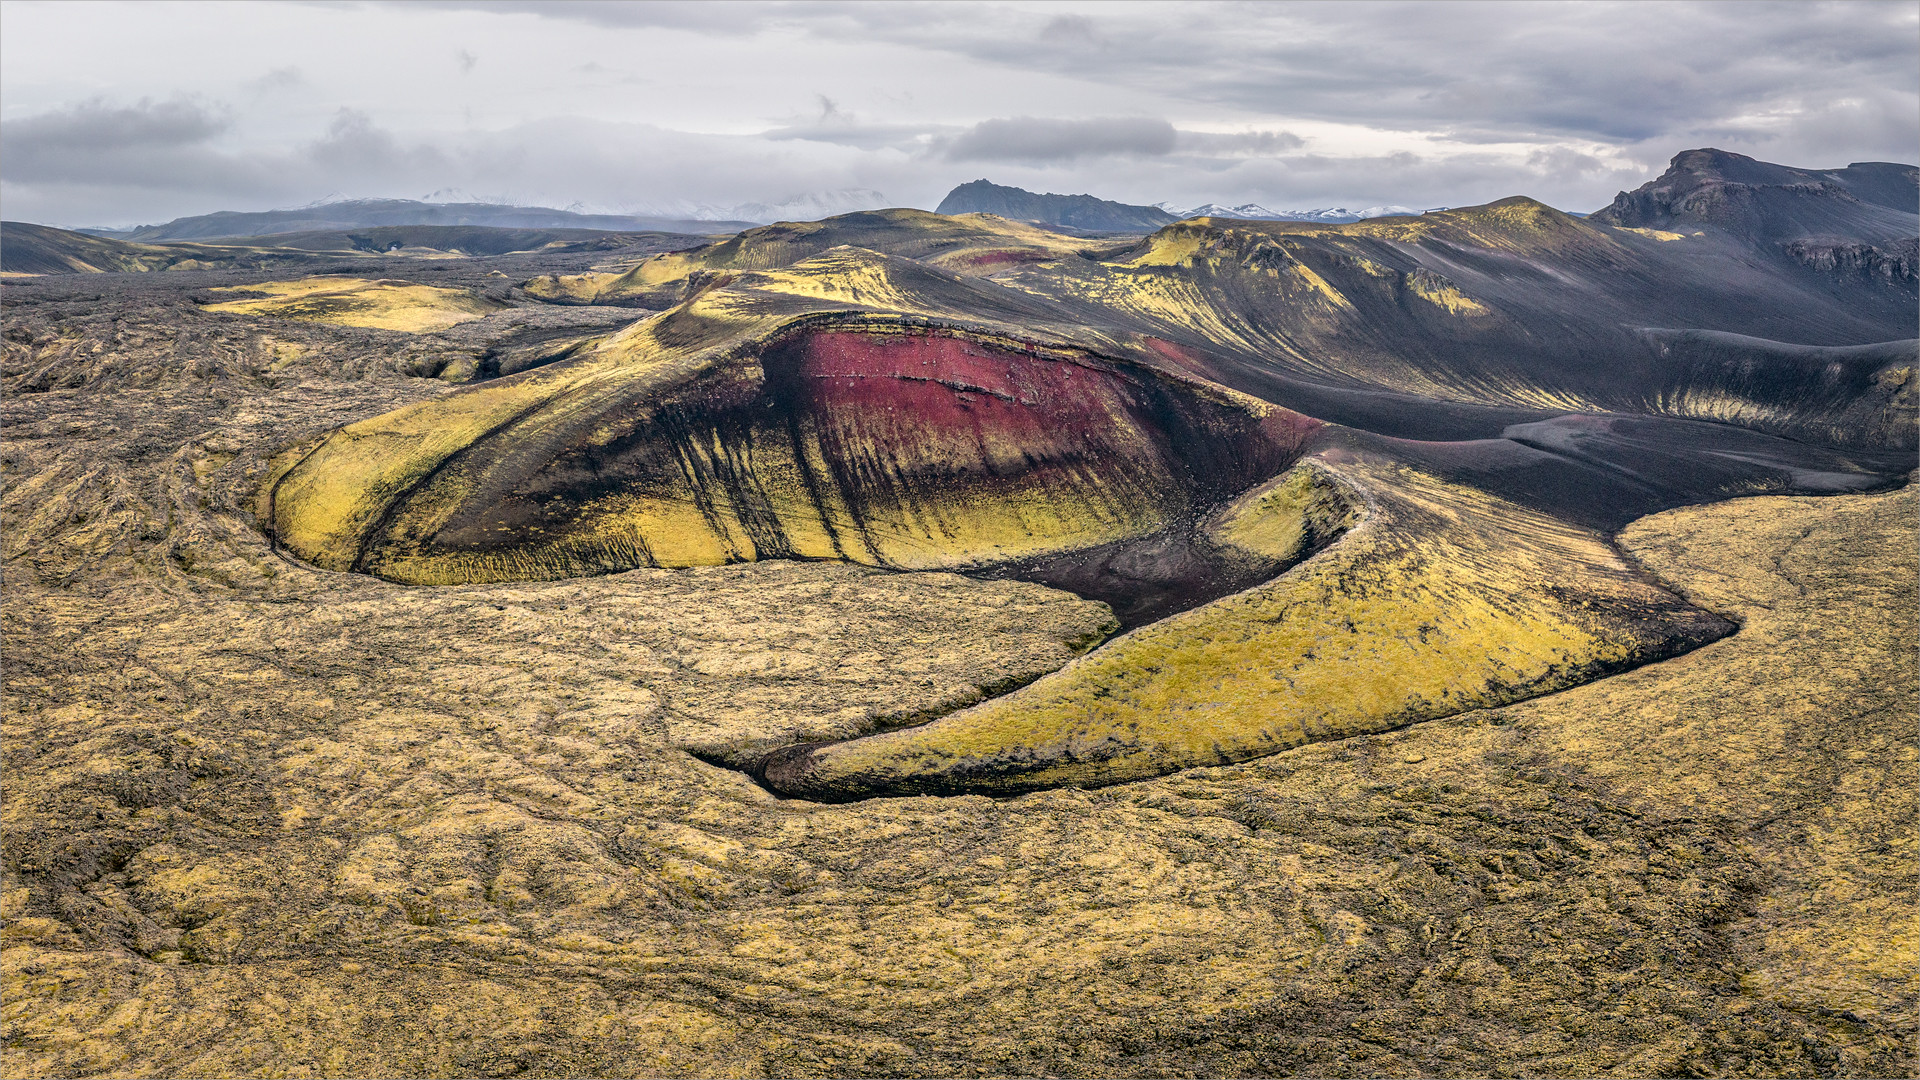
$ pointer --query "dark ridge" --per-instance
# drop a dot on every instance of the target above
(1869, 203)
(368, 213)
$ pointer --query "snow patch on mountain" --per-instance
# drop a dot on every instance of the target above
(808, 206)
(1333, 215)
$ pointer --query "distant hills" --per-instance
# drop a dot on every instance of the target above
(1083, 212)
(370, 213)
(1080, 213)
(1089, 214)
(41, 249)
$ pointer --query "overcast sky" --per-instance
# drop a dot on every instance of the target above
(115, 114)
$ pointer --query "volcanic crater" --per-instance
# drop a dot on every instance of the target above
(1207, 430)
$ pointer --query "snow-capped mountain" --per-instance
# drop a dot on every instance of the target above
(1335, 215)
(1245, 212)
(810, 206)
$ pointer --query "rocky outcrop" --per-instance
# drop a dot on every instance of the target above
(1891, 264)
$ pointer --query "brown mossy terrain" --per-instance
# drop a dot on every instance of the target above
(270, 820)
(1425, 750)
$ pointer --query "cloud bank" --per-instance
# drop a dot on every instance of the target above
(124, 114)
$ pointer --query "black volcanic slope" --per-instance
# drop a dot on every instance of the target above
(1082, 212)
(1340, 477)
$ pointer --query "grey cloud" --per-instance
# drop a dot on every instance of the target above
(1238, 144)
(1561, 163)
(1027, 138)
(280, 78)
(904, 137)
(731, 20)
(1616, 72)
(163, 153)
(1070, 30)
(35, 141)
(147, 145)
(355, 146)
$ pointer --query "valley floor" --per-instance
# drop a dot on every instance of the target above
(266, 820)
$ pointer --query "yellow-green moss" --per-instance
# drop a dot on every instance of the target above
(381, 305)
(1443, 599)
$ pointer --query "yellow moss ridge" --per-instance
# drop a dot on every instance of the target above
(383, 304)
(1443, 599)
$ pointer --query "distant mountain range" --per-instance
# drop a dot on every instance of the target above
(1089, 214)
(1079, 213)
(371, 213)
(811, 206)
(41, 249)
(1338, 215)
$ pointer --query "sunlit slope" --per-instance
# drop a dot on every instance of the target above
(779, 415)
(383, 304)
(1436, 599)
(963, 244)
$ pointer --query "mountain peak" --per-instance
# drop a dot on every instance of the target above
(1071, 211)
(1761, 200)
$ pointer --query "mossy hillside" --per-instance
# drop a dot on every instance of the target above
(1442, 599)
(993, 454)
(489, 484)
(383, 304)
(968, 244)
